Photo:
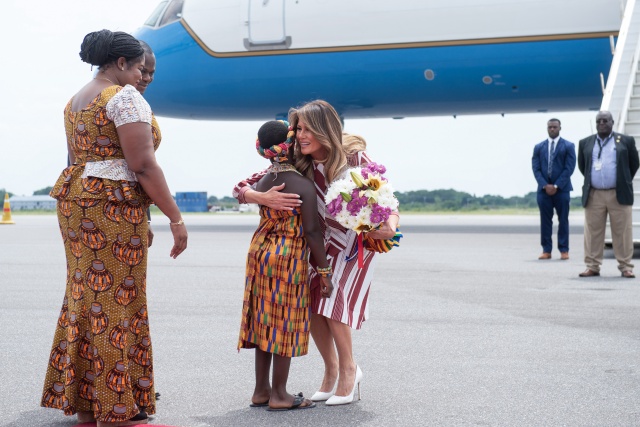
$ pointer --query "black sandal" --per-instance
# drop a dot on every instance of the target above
(141, 416)
(298, 400)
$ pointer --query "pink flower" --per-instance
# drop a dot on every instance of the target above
(373, 168)
(379, 214)
(356, 202)
(335, 207)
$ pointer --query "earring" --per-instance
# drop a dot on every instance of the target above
(122, 69)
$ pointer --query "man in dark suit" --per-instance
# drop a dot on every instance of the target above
(608, 161)
(553, 163)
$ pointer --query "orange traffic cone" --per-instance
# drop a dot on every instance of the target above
(6, 211)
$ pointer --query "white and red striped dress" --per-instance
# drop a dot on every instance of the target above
(349, 301)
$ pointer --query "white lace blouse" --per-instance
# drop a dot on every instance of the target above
(128, 106)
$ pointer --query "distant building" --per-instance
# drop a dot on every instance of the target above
(192, 201)
(250, 207)
(31, 203)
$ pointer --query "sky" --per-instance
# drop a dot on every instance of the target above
(41, 71)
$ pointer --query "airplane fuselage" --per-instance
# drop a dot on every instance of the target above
(254, 59)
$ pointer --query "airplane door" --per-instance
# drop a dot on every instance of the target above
(266, 25)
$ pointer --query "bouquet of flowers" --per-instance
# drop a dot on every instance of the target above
(362, 201)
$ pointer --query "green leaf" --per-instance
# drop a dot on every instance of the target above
(346, 196)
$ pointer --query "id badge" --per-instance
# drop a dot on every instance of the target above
(598, 165)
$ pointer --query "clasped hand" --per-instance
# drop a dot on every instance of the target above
(326, 286)
(386, 230)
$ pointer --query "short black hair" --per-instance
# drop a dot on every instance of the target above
(145, 46)
(104, 47)
(272, 133)
(555, 120)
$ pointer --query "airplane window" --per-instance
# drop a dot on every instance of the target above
(153, 19)
(173, 12)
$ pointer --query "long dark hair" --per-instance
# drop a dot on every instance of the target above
(323, 122)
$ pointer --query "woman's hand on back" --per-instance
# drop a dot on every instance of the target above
(275, 199)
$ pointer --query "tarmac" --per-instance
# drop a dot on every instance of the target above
(466, 328)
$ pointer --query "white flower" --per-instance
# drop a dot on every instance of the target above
(343, 216)
(351, 222)
(363, 217)
(337, 187)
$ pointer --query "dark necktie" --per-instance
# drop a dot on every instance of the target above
(601, 147)
(550, 167)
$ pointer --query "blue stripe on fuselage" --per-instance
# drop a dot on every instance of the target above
(561, 75)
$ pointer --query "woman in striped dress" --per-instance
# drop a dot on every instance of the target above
(321, 156)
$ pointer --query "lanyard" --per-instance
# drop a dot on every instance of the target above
(602, 146)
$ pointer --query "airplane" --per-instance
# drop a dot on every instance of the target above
(255, 59)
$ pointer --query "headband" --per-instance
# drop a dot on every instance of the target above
(277, 152)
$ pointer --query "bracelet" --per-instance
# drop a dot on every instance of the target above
(325, 271)
(181, 222)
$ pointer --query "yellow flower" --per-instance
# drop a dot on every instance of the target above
(361, 228)
(372, 195)
(374, 182)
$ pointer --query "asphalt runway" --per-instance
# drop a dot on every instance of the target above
(467, 328)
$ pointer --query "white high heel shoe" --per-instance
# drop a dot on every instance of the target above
(321, 396)
(343, 400)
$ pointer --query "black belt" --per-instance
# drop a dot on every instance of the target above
(604, 189)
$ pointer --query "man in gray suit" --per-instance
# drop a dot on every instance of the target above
(608, 161)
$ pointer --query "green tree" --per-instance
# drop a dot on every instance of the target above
(43, 191)
(2, 192)
(442, 200)
(227, 203)
(452, 200)
(490, 201)
(576, 202)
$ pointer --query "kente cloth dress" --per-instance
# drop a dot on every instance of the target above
(101, 358)
(275, 310)
(348, 303)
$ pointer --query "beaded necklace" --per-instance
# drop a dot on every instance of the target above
(276, 168)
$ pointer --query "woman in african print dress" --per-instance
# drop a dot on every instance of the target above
(322, 156)
(276, 308)
(101, 364)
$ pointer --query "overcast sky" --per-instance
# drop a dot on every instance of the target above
(41, 70)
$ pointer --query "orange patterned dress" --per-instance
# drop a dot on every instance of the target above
(101, 358)
(276, 311)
